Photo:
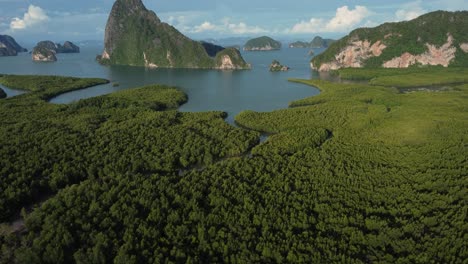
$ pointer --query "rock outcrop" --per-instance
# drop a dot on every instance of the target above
(42, 54)
(437, 38)
(9, 47)
(464, 47)
(354, 55)
(46, 50)
(276, 66)
(433, 56)
(68, 47)
(135, 36)
(230, 59)
(262, 44)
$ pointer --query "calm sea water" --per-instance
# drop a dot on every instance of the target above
(230, 91)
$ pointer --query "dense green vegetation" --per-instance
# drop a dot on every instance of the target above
(262, 43)
(404, 78)
(357, 174)
(408, 36)
(45, 147)
(423, 79)
(47, 87)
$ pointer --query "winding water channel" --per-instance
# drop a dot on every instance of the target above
(229, 91)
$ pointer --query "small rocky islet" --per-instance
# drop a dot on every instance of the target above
(317, 43)
(9, 46)
(45, 51)
(276, 66)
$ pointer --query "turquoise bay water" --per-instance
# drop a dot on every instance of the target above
(229, 91)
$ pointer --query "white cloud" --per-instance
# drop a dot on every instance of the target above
(344, 20)
(410, 11)
(205, 26)
(227, 27)
(35, 15)
(311, 26)
(242, 28)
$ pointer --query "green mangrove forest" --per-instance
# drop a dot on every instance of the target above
(362, 173)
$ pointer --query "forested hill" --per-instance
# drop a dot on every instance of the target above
(262, 44)
(437, 38)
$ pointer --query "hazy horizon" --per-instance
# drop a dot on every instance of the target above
(31, 21)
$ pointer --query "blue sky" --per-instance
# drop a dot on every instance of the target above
(34, 20)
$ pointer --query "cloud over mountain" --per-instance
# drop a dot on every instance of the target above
(344, 20)
(34, 16)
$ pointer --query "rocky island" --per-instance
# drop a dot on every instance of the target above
(135, 36)
(316, 43)
(262, 44)
(43, 54)
(68, 47)
(437, 38)
(276, 66)
(299, 45)
(9, 46)
(319, 42)
(46, 50)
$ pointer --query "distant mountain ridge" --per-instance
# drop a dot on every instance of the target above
(135, 36)
(437, 38)
(9, 46)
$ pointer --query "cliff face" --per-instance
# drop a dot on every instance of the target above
(135, 36)
(437, 38)
(262, 44)
(42, 54)
(433, 56)
(354, 55)
(230, 59)
(9, 47)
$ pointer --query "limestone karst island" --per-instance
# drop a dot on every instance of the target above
(136, 36)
